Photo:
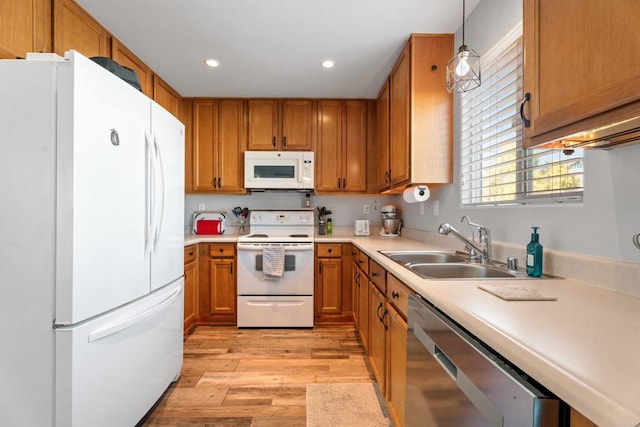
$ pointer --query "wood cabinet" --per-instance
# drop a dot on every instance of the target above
(582, 66)
(420, 115)
(74, 28)
(123, 56)
(287, 124)
(190, 286)
(579, 420)
(397, 305)
(341, 151)
(332, 293)
(360, 292)
(378, 326)
(168, 98)
(25, 26)
(383, 178)
(217, 284)
(219, 142)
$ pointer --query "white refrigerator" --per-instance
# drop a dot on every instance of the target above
(91, 245)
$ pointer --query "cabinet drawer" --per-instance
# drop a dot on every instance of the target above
(378, 275)
(329, 250)
(222, 250)
(398, 294)
(190, 254)
(363, 262)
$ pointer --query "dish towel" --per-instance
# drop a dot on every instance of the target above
(272, 262)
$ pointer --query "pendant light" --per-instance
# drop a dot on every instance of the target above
(463, 70)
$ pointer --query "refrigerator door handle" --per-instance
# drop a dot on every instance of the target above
(120, 326)
(161, 190)
(149, 161)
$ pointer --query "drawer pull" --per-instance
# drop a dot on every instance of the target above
(394, 294)
(330, 250)
(374, 274)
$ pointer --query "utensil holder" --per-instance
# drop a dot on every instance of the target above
(322, 228)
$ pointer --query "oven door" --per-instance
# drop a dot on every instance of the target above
(297, 278)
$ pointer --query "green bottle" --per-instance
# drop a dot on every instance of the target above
(534, 254)
(329, 227)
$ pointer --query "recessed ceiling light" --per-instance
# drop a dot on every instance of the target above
(212, 62)
(328, 63)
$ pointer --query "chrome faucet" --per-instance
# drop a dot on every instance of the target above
(480, 254)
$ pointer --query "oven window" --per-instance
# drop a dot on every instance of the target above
(274, 171)
(289, 263)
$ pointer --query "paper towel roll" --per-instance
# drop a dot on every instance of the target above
(416, 194)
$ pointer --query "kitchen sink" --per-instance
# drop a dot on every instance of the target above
(459, 271)
(425, 257)
(453, 265)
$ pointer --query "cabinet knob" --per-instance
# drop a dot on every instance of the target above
(374, 274)
(330, 250)
(220, 250)
(394, 294)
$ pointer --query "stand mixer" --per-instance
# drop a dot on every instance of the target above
(390, 223)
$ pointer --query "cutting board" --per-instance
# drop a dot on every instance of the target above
(516, 293)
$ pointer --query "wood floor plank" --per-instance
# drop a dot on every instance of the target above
(256, 377)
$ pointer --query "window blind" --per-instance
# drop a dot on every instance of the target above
(495, 169)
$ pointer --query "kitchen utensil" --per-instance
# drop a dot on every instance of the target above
(237, 211)
(245, 212)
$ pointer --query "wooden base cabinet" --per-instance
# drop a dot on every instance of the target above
(332, 288)
(190, 286)
(378, 326)
(217, 286)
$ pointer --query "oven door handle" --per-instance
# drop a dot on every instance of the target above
(297, 248)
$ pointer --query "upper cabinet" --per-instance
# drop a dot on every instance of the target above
(123, 56)
(25, 27)
(582, 69)
(73, 28)
(383, 180)
(341, 152)
(420, 116)
(164, 95)
(219, 141)
(281, 124)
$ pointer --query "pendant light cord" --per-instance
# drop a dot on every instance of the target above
(463, 16)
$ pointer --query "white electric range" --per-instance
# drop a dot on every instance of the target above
(285, 301)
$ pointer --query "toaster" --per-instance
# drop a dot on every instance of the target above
(361, 227)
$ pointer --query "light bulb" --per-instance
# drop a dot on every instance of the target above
(463, 67)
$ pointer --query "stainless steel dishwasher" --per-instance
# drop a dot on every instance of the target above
(455, 380)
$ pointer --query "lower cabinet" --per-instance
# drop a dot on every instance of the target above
(217, 284)
(332, 290)
(378, 328)
(190, 286)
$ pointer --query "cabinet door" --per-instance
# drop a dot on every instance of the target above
(123, 56)
(164, 95)
(25, 27)
(205, 150)
(354, 146)
(73, 28)
(231, 145)
(382, 164)
(263, 124)
(363, 308)
(566, 87)
(397, 352)
(378, 324)
(400, 116)
(190, 304)
(328, 152)
(222, 286)
(297, 124)
(328, 292)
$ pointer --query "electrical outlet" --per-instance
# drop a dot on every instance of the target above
(365, 209)
(201, 207)
(422, 208)
(436, 207)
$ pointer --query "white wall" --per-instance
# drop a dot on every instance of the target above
(345, 208)
(600, 226)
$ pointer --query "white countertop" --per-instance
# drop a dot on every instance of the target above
(584, 347)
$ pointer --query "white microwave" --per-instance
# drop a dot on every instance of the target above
(279, 170)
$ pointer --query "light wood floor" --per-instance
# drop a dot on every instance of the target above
(256, 377)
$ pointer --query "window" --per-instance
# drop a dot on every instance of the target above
(495, 169)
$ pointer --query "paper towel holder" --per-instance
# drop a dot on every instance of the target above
(417, 193)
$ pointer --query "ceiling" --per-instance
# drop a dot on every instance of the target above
(274, 48)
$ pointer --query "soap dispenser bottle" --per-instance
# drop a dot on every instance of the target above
(534, 254)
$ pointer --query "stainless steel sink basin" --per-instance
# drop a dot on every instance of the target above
(424, 257)
(458, 271)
